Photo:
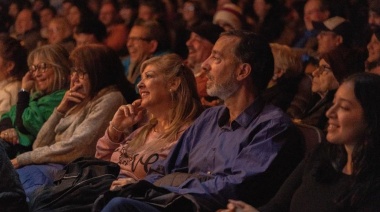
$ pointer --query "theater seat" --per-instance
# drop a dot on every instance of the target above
(312, 135)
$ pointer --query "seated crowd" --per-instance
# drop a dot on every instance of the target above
(199, 103)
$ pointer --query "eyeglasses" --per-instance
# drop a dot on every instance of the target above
(75, 71)
(39, 68)
(323, 68)
(133, 39)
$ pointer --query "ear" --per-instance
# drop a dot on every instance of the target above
(279, 72)
(10, 66)
(338, 40)
(174, 83)
(153, 44)
(244, 70)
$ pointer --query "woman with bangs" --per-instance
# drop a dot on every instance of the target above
(42, 89)
(168, 94)
(97, 89)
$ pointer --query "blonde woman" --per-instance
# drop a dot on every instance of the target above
(168, 93)
(42, 89)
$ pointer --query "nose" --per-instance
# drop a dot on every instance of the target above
(140, 84)
(189, 42)
(206, 66)
(330, 112)
(315, 72)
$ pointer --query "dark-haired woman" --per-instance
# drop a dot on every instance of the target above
(344, 173)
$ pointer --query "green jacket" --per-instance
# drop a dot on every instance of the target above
(34, 115)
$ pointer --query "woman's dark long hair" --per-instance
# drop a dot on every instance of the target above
(104, 68)
(365, 178)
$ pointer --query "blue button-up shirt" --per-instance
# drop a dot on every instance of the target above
(227, 153)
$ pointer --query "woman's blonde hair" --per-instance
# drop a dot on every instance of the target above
(287, 60)
(57, 56)
(185, 105)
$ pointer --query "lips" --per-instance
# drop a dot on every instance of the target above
(144, 93)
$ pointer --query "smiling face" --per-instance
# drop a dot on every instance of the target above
(44, 77)
(153, 89)
(346, 124)
(323, 79)
(138, 44)
(199, 49)
(373, 49)
(220, 67)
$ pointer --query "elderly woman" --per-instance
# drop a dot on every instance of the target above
(97, 90)
(333, 68)
(13, 66)
(342, 174)
(168, 93)
(42, 89)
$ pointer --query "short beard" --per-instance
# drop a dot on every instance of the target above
(224, 90)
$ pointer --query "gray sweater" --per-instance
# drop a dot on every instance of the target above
(63, 138)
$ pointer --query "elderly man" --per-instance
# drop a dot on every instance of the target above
(243, 149)
(146, 39)
(200, 43)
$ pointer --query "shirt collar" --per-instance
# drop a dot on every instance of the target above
(244, 119)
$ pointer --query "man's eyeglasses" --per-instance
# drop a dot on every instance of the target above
(133, 39)
(75, 71)
(39, 68)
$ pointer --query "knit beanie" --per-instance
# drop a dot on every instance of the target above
(231, 14)
(344, 62)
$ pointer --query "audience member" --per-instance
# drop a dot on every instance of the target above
(60, 32)
(269, 19)
(288, 72)
(168, 94)
(79, 12)
(341, 174)
(193, 14)
(90, 31)
(373, 48)
(317, 11)
(229, 17)
(27, 30)
(334, 66)
(202, 39)
(42, 89)
(231, 149)
(374, 15)
(128, 12)
(79, 120)
(146, 39)
(13, 66)
(116, 31)
(46, 15)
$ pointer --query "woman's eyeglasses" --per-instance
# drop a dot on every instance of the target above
(323, 68)
(75, 71)
(39, 68)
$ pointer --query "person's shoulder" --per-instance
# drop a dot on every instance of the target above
(271, 112)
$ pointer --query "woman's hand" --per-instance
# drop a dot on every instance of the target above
(15, 163)
(71, 98)
(10, 136)
(128, 115)
(27, 81)
(117, 184)
(238, 206)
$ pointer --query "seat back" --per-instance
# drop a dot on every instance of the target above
(312, 136)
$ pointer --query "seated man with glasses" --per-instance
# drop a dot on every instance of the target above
(146, 39)
(42, 89)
